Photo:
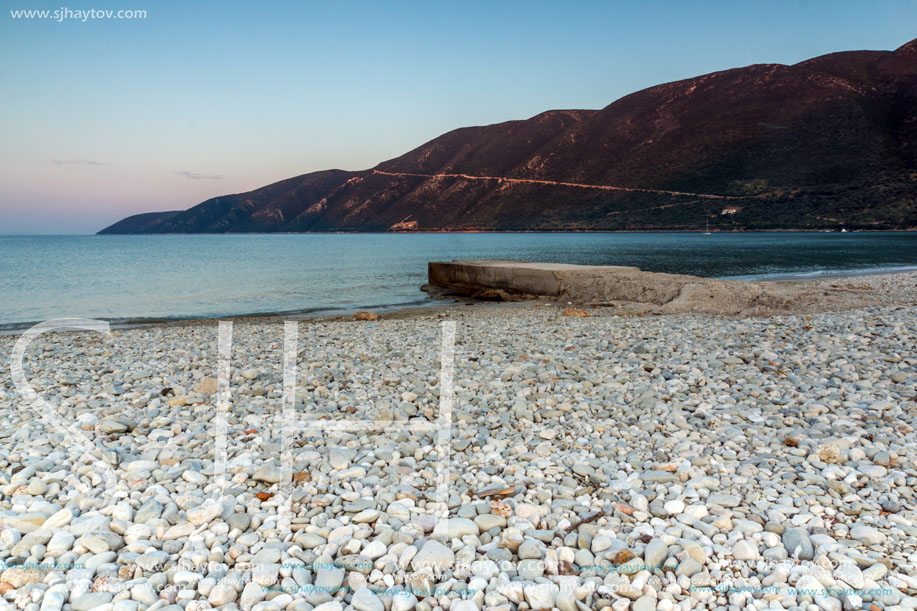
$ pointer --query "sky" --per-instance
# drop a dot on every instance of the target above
(104, 118)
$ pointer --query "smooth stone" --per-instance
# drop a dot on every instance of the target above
(152, 560)
(186, 577)
(268, 472)
(566, 600)
(644, 603)
(375, 549)
(696, 551)
(723, 500)
(110, 427)
(487, 521)
(540, 595)
(530, 569)
(485, 569)
(866, 535)
(329, 579)
(308, 540)
(404, 602)
(180, 530)
(399, 511)
(850, 574)
(60, 519)
(144, 594)
(194, 477)
(53, 600)
(655, 553)
(62, 541)
(141, 465)
(222, 594)
(797, 541)
(252, 593)
(36, 488)
(265, 574)
(98, 560)
(658, 477)
(433, 554)
(365, 600)
(240, 521)
(531, 549)
(689, 567)
(204, 513)
(456, 528)
(91, 600)
(367, 516)
(875, 572)
(600, 544)
(674, 507)
(744, 550)
(150, 510)
(99, 541)
(268, 555)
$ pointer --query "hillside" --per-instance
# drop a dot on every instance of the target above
(825, 143)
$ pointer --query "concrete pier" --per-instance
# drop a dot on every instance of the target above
(629, 286)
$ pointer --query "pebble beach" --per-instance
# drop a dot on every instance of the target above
(620, 460)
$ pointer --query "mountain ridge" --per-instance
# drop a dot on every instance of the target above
(828, 142)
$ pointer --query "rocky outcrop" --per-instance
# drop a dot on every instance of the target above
(631, 287)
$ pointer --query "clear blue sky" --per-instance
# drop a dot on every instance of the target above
(109, 117)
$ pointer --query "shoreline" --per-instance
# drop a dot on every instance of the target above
(436, 305)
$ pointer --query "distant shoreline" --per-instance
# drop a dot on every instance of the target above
(467, 231)
(508, 231)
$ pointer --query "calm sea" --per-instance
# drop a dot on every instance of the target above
(136, 278)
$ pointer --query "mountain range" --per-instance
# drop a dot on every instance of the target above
(827, 143)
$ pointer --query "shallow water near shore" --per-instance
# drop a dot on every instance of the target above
(171, 277)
